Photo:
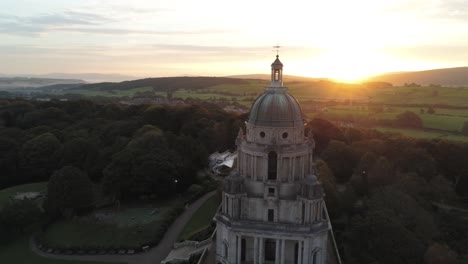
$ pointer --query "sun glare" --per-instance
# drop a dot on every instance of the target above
(352, 62)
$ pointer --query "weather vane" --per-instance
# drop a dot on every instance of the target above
(277, 47)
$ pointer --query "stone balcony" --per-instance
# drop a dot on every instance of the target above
(272, 227)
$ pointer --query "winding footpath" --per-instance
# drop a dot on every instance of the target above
(153, 256)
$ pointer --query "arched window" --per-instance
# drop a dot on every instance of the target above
(276, 75)
(272, 165)
(303, 212)
(243, 249)
(296, 253)
(270, 250)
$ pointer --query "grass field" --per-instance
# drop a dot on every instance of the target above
(202, 218)
(19, 252)
(450, 120)
(8, 193)
(423, 133)
(130, 227)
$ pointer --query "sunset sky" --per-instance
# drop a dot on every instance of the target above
(346, 40)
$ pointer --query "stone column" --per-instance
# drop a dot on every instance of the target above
(302, 167)
(283, 242)
(293, 168)
(306, 251)
(260, 252)
(289, 169)
(239, 248)
(277, 251)
(255, 251)
(299, 252)
(252, 164)
(255, 165)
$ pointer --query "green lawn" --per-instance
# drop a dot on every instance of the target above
(129, 227)
(19, 252)
(422, 133)
(8, 193)
(202, 218)
(450, 120)
(447, 123)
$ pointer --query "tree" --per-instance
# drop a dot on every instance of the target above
(430, 110)
(81, 153)
(379, 237)
(326, 177)
(376, 146)
(380, 173)
(417, 160)
(409, 119)
(39, 156)
(51, 116)
(360, 180)
(145, 166)
(464, 129)
(440, 254)
(155, 173)
(8, 162)
(415, 186)
(405, 210)
(69, 191)
(8, 119)
(394, 229)
(442, 190)
(324, 131)
(18, 217)
(341, 159)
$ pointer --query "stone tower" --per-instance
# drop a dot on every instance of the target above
(272, 204)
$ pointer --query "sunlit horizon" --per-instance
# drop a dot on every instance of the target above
(339, 40)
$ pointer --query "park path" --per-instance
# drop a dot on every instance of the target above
(153, 256)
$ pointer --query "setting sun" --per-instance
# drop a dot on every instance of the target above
(340, 40)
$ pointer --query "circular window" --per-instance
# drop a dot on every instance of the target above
(285, 134)
(262, 134)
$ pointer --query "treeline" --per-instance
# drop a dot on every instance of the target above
(132, 150)
(394, 199)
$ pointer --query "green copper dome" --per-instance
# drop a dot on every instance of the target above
(276, 108)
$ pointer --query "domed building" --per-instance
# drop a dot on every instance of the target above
(273, 209)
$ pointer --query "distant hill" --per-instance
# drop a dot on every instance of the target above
(9, 83)
(286, 78)
(87, 77)
(446, 77)
(165, 83)
(91, 77)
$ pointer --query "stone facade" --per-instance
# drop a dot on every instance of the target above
(273, 209)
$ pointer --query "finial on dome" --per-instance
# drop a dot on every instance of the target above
(277, 47)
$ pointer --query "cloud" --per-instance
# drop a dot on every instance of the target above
(440, 53)
(66, 18)
(34, 25)
(448, 10)
(81, 22)
(121, 31)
